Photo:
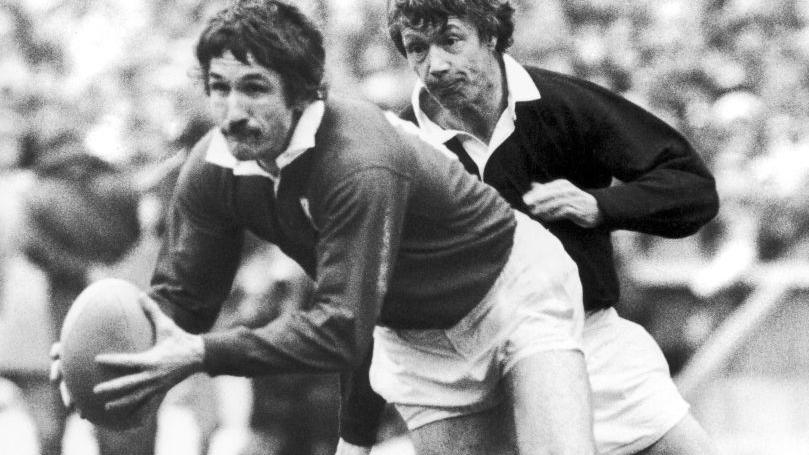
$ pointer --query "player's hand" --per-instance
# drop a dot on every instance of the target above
(176, 355)
(562, 200)
(347, 448)
(56, 374)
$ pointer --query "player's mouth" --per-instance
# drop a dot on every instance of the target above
(243, 147)
(445, 87)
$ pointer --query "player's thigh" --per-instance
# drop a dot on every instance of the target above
(686, 438)
(490, 432)
(550, 396)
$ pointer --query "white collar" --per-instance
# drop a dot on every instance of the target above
(519, 85)
(303, 138)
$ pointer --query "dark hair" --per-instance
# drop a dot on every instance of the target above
(491, 18)
(278, 36)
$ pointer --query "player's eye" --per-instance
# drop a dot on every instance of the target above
(254, 88)
(452, 42)
(416, 50)
(219, 87)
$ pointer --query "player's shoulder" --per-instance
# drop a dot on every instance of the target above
(355, 134)
(352, 118)
(196, 170)
(200, 149)
(573, 92)
(554, 79)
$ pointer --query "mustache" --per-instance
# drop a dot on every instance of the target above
(441, 84)
(240, 132)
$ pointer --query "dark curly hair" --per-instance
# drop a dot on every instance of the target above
(277, 35)
(491, 18)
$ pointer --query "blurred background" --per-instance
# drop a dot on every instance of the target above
(99, 102)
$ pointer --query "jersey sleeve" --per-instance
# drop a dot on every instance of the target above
(665, 187)
(200, 254)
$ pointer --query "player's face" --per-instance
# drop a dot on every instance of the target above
(250, 106)
(455, 65)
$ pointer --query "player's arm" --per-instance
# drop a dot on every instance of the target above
(666, 189)
(195, 269)
(201, 251)
(359, 239)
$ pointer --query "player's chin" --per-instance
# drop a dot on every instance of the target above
(451, 98)
(244, 151)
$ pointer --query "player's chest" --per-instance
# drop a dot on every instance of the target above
(281, 216)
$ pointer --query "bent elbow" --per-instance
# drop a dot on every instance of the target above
(697, 214)
(700, 217)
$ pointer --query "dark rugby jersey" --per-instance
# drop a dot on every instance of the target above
(395, 234)
(588, 135)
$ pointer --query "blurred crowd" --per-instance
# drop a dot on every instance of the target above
(100, 101)
(118, 79)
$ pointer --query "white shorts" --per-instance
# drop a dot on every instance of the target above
(534, 306)
(635, 401)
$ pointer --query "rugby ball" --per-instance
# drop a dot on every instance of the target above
(106, 317)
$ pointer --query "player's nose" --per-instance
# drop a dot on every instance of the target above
(437, 60)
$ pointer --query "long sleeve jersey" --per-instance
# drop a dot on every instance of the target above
(588, 135)
(391, 232)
